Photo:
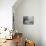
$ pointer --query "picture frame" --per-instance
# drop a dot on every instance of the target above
(28, 20)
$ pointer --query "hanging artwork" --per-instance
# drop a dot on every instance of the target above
(28, 20)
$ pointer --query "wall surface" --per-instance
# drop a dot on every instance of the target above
(6, 13)
(29, 8)
(43, 22)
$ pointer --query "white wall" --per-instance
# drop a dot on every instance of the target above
(6, 13)
(43, 22)
(29, 8)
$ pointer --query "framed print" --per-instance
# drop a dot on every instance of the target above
(29, 20)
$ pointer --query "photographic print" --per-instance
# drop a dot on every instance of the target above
(28, 20)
